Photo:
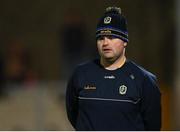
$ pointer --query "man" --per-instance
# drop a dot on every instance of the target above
(113, 93)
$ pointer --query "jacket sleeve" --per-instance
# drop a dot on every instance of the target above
(71, 100)
(151, 104)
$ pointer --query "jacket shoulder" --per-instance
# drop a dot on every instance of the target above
(142, 71)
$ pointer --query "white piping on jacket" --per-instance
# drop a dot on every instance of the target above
(103, 99)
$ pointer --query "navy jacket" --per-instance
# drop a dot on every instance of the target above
(127, 98)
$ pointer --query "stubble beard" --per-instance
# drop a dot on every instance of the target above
(111, 59)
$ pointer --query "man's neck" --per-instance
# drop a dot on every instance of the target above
(113, 65)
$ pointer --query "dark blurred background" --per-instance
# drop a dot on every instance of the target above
(43, 40)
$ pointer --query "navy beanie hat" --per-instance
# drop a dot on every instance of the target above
(112, 23)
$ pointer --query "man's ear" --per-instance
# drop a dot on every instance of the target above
(125, 44)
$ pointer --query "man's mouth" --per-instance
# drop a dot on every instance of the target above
(107, 50)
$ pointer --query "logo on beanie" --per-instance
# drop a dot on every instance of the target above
(107, 20)
(105, 32)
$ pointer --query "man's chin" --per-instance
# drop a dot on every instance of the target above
(110, 59)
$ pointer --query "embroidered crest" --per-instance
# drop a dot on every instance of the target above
(107, 20)
(122, 89)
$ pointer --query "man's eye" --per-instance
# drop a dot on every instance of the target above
(101, 38)
(108, 37)
(111, 37)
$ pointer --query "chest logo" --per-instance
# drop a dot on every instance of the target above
(88, 87)
(109, 77)
(122, 89)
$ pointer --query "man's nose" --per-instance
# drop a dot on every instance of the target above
(106, 41)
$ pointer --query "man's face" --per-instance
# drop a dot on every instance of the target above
(110, 48)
